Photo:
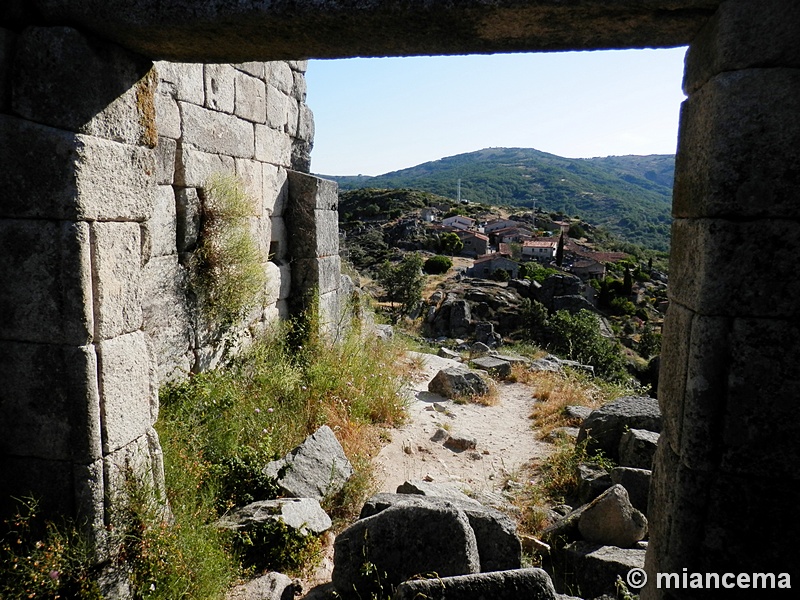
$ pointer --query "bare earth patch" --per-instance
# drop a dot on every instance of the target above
(504, 438)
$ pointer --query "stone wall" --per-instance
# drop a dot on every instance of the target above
(106, 158)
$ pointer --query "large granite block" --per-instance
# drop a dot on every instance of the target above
(49, 402)
(741, 35)
(736, 267)
(276, 189)
(45, 282)
(277, 108)
(194, 168)
(748, 170)
(183, 81)
(117, 262)
(65, 79)
(280, 76)
(251, 98)
(220, 87)
(52, 174)
(273, 146)
(162, 225)
(320, 274)
(216, 132)
(125, 389)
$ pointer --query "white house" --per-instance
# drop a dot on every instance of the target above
(459, 222)
(499, 224)
(543, 250)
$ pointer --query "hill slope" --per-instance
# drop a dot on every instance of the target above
(628, 195)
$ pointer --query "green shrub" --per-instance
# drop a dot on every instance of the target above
(437, 265)
(501, 275)
(226, 271)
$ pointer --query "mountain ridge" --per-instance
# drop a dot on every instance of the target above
(630, 195)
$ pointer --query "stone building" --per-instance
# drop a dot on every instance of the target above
(78, 103)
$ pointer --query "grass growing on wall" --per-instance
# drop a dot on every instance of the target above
(227, 270)
(218, 430)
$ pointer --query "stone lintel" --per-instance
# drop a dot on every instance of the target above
(183, 30)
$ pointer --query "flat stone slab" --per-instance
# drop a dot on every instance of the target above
(493, 365)
(314, 469)
(519, 584)
(303, 514)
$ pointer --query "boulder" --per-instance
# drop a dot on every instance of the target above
(460, 319)
(443, 491)
(272, 586)
(592, 481)
(401, 542)
(484, 333)
(610, 520)
(447, 353)
(594, 569)
(636, 482)
(384, 332)
(521, 584)
(479, 349)
(572, 303)
(492, 365)
(605, 426)
(637, 447)
(499, 547)
(316, 468)
(458, 382)
(303, 514)
(564, 530)
(576, 413)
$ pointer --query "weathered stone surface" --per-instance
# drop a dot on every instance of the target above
(302, 514)
(749, 160)
(520, 584)
(215, 132)
(592, 481)
(183, 81)
(272, 146)
(320, 274)
(492, 365)
(594, 569)
(161, 227)
(49, 402)
(277, 108)
(66, 80)
(125, 389)
(166, 317)
(187, 219)
(45, 282)
(637, 448)
(276, 189)
(194, 168)
(7, 39)
(722, 250)
(116, 250)
(610, 520)
(447, 353)
(636, 482)
(460, 319)
(164, 153)
(403, 541)
(485, 333)
(743, 35)
(168, 115)
(499, 547)
(604, 426)
(314, 469)
(272, 32)
(458, 382)
(220, 87)
(272, 586)
(56, 175)
(434, 490)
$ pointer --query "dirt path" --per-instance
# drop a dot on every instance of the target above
(503, 433)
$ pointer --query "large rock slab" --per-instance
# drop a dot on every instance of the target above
(303, 514)
(636, 482)
(604, 427)
(520, 584)
(610, 520)
(272, 586)
(458, 382)
(316, 468)
(399, 543)
(637, 447)
(494, 366)
(434, 490)
(499, 547)
(594, 569)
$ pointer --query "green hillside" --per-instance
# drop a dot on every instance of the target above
(628, 195)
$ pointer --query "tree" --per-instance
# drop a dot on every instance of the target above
(403, 283)
(560, 250)
(437, 264)
(450, 243)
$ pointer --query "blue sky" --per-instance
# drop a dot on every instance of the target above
(378, 115)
